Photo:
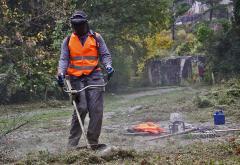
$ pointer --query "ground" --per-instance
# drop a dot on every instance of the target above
(48, 129)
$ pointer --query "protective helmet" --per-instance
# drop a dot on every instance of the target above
(78, 17)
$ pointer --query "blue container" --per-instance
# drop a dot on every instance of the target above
(219, 118)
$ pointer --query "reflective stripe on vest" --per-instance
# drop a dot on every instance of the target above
(83, 58)
(81, 67)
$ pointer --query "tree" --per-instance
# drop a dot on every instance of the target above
(214, 5)
(223, 50)
(179, 7)
(31, 33)
(236, 12)
(27, 55)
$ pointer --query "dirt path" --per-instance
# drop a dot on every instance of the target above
(157, 91)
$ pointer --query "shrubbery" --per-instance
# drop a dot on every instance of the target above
(226, 94)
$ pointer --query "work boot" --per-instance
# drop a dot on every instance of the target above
(98, 146)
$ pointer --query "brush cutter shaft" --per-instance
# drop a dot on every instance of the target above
(175, 134)
(227, 130)
(81, 125)
(69, 86)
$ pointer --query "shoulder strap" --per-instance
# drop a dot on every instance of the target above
(68, 39)
(97, 44)
(96, 38)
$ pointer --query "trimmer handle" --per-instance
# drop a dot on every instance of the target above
(74, 91)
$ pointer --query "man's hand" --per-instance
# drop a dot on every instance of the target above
(110, 72)
(60, 79)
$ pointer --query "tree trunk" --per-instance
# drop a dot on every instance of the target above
(236, 12)
(211, 11)
(45, 93)
(174, 19)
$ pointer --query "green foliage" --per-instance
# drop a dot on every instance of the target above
(157, 46)
(236, 12)
(32, 32)
(185, 43)
(59, 34)
(224, 24)
(127, 23)
(204, 33)
(182, 8)
(122, 65)
(219, 40)
(26, 60)
(223, 54)
(226, 94)
(202, 102)
(184, 48)
(129, 17)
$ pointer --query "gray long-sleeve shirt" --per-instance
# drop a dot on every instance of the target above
(104, 55)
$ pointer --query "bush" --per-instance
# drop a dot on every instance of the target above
(121, 76)
(202, 102)
(184, 48)
(226, 94)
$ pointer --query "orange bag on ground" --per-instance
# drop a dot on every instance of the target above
(148, 127)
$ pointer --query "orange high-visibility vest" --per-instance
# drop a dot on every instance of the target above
(83, 58)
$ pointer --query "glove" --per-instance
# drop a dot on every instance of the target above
(110, 72)
(60, 80)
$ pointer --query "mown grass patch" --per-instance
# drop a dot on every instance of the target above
(224, 96)
(156, 107)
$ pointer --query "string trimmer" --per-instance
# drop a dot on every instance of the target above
(68, 89)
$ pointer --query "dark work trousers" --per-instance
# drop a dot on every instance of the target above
(89, 101)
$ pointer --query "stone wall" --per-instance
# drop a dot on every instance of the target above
(171, 71)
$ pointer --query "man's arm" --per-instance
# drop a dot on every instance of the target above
(105, 56)
(64, 57)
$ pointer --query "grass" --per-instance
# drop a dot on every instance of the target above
(50, 115)
(154, 108)
(214, 152)
(157, 107)
(44, 116)
(113, 102)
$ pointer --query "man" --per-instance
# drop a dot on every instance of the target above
(80, 56)
(201, 71)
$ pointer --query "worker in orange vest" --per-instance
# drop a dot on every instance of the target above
(81, 53)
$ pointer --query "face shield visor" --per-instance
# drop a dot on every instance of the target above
(80, 23)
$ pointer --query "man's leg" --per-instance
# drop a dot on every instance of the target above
(75, 131)
(95, 108)
(80, 99)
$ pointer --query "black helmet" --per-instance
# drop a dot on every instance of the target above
(78, 17)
